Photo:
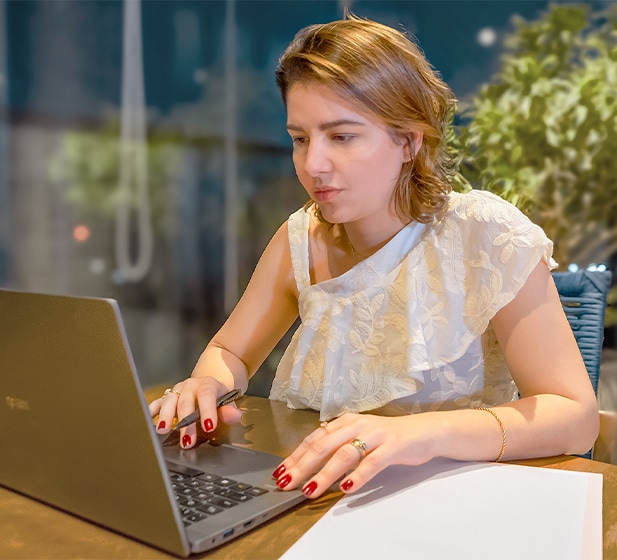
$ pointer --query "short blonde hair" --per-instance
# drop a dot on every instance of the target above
(384, 72)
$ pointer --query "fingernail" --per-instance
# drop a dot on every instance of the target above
(282, 482)
(161, 425)
(279, 471)
(347, 485)
(309, 488)
(208, 425)
(186, 440)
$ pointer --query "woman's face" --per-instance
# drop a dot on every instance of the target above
(345, 158)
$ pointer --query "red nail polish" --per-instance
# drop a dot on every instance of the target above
(309, 488)
(282, 482)
(161, 425)
(347, 485)
(279, 471)
(186, 440)
(208, 425)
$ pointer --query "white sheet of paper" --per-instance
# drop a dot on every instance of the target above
(455, 510)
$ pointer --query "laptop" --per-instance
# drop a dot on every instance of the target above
(75, 433)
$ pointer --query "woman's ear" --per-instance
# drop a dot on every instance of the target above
(416, 142)
(412, 145)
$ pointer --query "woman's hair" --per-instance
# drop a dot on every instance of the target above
(382, 71)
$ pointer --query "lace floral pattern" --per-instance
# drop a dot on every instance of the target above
(407, 330)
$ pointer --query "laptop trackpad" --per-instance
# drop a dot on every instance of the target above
(223, 459)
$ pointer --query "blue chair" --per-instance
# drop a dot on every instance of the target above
(583, 295)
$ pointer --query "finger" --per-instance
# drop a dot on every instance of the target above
(368, 468)
(230, 414)
(316, 450)
(187, 405)
(154, 407)
(287, 471)
(342, 461)
(207, 392)
(167, 409)
(326, 439)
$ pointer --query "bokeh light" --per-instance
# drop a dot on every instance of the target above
(81, 233)
(487, 36)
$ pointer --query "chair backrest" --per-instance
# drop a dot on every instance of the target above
(583, 295)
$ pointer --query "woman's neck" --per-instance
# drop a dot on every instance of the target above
(364, 242)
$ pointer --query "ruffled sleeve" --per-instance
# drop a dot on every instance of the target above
(495, 247)
(469, 266)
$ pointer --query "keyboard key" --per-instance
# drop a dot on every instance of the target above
(177, 477)
(209, 509)
(232, 495)
(225, 482)
(222, 502)
(238, 497)
(202, 496)
(195, 483)
(255, 491)
(190, 503)
(195, 517)
(209, 477)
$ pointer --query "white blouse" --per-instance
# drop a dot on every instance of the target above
(407, 329)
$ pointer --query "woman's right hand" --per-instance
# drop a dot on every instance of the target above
(265, 312)
(184, 398)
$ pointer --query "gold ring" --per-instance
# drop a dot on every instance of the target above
(360, 445)
(170, 390)
(323, 425)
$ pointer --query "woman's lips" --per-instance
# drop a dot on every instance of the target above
(324, 195)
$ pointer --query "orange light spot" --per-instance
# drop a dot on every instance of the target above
(81, 233)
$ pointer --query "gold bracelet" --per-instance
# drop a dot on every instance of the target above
(503, 431)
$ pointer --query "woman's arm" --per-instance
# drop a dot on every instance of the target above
(265, 312)
(557, 413)
(558, 410)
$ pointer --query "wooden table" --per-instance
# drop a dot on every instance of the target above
(29, 529)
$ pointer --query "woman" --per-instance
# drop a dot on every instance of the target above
(425, 313)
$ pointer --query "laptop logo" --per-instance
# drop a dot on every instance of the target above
(15, 403)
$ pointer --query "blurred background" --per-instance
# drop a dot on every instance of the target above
(143, 152)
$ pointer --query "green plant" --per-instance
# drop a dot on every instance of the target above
(86, 169)
(543, 132)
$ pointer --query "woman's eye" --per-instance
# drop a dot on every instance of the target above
(342, 137)
(298, 140)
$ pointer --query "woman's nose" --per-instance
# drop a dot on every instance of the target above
(317, 159)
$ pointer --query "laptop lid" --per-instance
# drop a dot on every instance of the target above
(76, 431)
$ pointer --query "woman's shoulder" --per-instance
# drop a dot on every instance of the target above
(484, 206)
(480, 223)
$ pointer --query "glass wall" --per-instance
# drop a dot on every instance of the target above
(143, 153)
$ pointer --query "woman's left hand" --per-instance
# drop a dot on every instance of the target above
(353, 449)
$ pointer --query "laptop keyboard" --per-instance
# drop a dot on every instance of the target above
(200, 495)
